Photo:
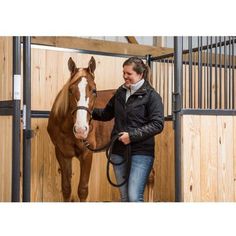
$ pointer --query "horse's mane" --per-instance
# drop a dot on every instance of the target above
(61, 104)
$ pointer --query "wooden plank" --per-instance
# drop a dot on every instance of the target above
(164, 179)
(234, 143)
(5, 158)
(225, 158)
(131, 39)
(5, 68)
(101, 46)
(208, 158)
(191, 158)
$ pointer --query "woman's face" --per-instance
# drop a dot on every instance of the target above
(130, 76)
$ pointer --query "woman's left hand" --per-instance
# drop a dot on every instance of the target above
(124, 138)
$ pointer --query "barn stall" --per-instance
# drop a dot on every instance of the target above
(48, 74)
(196, 152)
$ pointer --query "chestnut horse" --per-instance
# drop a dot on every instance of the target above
(70, 123)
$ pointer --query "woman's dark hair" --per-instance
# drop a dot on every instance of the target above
(138, 66)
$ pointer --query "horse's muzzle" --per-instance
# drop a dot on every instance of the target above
(80, 132)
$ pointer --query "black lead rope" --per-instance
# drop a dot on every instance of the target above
(109, 147)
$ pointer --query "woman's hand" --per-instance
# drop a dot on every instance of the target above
(124, 138)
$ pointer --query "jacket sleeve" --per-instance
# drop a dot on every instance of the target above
(156, 120)
(104, 114)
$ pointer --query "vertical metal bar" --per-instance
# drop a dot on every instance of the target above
(230, 80)
(225, 76)
(177, 106)
(220, 61)
(205, 80)
(190, 47)
(168, 102)
(210, 61)
(207, 83)
(148, 60)
(199, 72)
(233, 105)
(26, 118)
(216, 77)
(15, 194)
(185, 83)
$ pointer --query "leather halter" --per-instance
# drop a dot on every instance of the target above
(81, 108)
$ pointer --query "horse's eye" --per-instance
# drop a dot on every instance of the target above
(70, 92)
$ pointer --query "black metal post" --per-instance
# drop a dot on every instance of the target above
(15, 194)
(207, 78)
(190, 47)
(26, 118)
(225, 76)
(210, 87)
(230, 84)
(220, 61)
(199, 72)
(216, 80)
(233, 105)
(177, 106)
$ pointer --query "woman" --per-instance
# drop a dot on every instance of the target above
(138, 112)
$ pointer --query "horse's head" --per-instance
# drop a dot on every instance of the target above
(82, 95)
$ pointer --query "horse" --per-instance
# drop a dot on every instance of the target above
(70, 123)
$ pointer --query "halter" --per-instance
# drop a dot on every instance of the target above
(81, 108)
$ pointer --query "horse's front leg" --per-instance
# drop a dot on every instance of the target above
(66, 174)
(85, 167)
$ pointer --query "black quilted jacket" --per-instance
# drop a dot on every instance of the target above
(141, 116)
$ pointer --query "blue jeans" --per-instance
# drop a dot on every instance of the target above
(141, 165)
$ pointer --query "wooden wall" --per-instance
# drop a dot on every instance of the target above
(45, 183)
(208, 158)
(6, 121)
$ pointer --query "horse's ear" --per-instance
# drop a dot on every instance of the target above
(92, 65)
(71, 65)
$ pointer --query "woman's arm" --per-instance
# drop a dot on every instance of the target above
(104, 114)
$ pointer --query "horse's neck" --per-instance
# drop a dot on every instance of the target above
(65, 123)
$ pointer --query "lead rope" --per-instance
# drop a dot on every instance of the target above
(108, 147)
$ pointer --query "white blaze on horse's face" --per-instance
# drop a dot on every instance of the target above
(81, 125)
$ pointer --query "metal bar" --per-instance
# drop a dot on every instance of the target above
(83, 51)
(207, 78)
(220, 75)
(199, 72)
(15, 193)
(230, 80)
(225, 77)
(194, 50)
(190, 47)
(233, 105)
(148, 60)
(216, 78)
(177, 106)
(26, 118)
(207, 112)
(210, 81)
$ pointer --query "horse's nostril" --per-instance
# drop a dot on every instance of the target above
(86, 128)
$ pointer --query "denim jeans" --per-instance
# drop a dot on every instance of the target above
(141, 165)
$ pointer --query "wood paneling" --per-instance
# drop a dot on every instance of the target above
(46, 177)
(208, 158)
(5, 158)
(5, 68)
(164, 181)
